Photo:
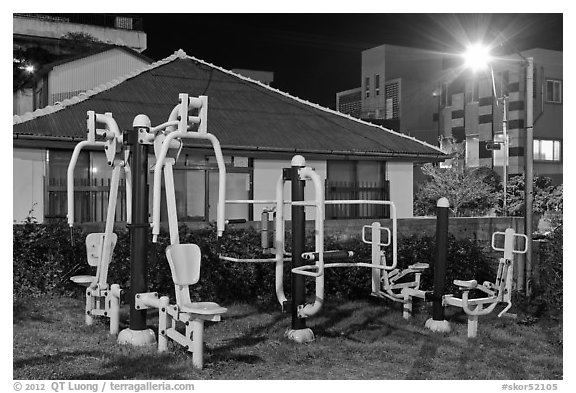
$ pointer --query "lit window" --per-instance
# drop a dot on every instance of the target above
(377, 84)
(547, 150)
(554, 91)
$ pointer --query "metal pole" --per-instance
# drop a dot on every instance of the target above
(441, 253)
(529, 190)
(505, 164)
(438, 323)
(139, 229)
(298, 242)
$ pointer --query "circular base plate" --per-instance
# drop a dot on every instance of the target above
(137, 337)
(438, 326)
(301, 335)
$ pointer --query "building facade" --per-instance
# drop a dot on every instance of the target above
(350, 102)
(48, 30)
(432, 97)
(483, 115)
(65, 79)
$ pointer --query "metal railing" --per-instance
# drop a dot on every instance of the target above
(126, 22)
(353, 191)
(90, 200)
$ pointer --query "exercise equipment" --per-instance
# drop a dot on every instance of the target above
(101, 299)
(500, 291)
(184, 259)
(494, 293)
(298, 174)
(129, 151)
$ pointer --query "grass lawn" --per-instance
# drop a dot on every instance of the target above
(365, 339)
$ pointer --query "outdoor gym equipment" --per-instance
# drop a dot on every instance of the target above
(101, 299)
(184, 259)
(498, 292)
(298, 174)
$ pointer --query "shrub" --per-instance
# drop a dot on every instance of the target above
(44, 259)
(548, 290)
(471, 191)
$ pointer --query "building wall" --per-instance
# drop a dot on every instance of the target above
(46, 28)
(70, 79)
(400, 175)
(23, 101)
(28, 183)
(471, 120)
(416, 71)
(373, 63)
(549, 120)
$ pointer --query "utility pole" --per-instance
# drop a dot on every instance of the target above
(529, 190)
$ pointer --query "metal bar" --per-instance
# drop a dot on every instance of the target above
(441, 253)
(138, 229)
(298, 242)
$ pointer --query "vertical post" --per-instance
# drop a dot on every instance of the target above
(437, 323)
(137, 334)
(298, 241)
(139, 228)
(441, 253)
(505, 165)
(529, 175)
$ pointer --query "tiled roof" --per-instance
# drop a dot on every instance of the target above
(243, 113)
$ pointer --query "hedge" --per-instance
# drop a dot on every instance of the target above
(44, 260)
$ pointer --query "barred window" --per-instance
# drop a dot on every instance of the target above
(554, 91)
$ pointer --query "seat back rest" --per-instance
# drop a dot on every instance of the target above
(95, 245)
(184, 261)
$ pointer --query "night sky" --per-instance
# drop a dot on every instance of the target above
(313, 56)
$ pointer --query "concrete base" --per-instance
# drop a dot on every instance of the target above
(300, 335)
(438, 326)
(137, 338)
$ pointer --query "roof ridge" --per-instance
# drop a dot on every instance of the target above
(314, 105)
(16, 119)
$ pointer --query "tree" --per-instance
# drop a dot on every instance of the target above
(70, 44)
(470, 191)
(547, 197)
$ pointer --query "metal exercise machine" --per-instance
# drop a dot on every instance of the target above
(101, 299)
(184, 259)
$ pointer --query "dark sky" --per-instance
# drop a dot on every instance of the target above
(315, 55)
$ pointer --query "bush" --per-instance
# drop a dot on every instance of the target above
(44, 260)
(548, 291)
(471, 191)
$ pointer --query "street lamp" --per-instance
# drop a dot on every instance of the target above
(477, 57)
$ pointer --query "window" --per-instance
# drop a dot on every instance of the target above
(472, 91)
(56, 188)
(472, 151)
(122, 22)
(547, 150)
(554, 91)
(392, 99)
(377, 84)
(367, 87)
(356, 180)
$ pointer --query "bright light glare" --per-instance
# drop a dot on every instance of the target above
(477, 57)
(29, 68)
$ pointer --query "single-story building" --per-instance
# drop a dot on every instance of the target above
(259, 128)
